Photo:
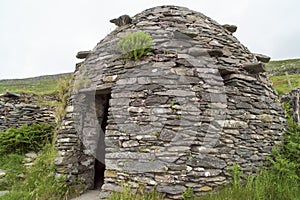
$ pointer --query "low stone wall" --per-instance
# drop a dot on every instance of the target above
(293, 97)
(19, 109)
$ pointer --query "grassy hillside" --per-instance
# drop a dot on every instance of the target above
(37, 85)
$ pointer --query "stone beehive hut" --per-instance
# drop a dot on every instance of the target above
(176, 118)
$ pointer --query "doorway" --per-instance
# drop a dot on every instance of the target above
(102, 106)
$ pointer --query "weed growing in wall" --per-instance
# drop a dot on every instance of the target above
(63, 93)
(236, 174)
(136, 45)
(82, 80)
(188, 194)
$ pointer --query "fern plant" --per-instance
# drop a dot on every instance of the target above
(236, 173)
(188, 194)
(136, 45)
(26, 138)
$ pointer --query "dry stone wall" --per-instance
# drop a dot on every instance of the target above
(177, 118)
(19, 109)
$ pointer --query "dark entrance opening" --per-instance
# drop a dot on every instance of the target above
(102, 105)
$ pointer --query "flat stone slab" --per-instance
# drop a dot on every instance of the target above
(140, 167)
(2, 193)
(2, 173)
(11, 94)
(262, 58)
(254, 68)
(230, 28)
(82, 54)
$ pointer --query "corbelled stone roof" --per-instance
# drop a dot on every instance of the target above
(180, 30)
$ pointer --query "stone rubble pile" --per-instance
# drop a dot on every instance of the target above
(29, 159)
(3, 181)
(2, 193)
(2, 176)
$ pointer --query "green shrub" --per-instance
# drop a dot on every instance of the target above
(136, 45)
(286, 161)
(26, 138)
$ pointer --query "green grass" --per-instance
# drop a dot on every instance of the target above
(280, 82)
(38, 182)
(278, 77)
(37, 85)
(12, 164)
(267, 185)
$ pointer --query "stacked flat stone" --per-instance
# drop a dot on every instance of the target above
(179, 117)
(293, 99)
(19, 109)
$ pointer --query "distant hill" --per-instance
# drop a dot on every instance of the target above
(292, 66)
(37, 85)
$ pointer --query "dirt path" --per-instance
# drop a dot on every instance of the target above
(92, 195)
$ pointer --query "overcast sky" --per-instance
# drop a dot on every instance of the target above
(41, 37)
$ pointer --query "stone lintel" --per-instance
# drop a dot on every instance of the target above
(254, 68)
(262, 58)
(82, 54)
(230, 28)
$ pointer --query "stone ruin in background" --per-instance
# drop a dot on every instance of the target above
(293, 99)
(20, 109)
